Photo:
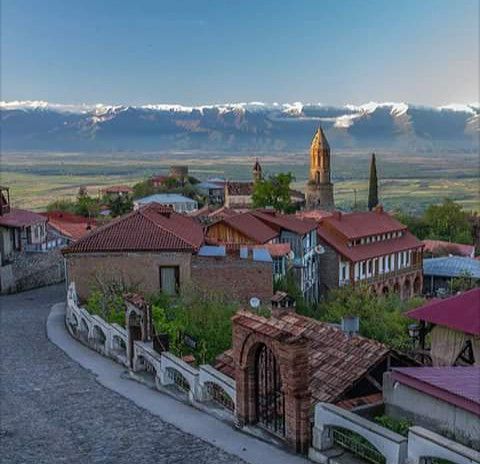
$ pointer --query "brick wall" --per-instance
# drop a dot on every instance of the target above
(140, 270)
(240, 279)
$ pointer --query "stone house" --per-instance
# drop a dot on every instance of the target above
(155, 249)
(150, 249)
(370, 248)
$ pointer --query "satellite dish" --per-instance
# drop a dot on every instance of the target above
(319, 250)
(254, 302)
(291, 255)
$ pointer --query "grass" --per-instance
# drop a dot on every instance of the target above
(406, 181)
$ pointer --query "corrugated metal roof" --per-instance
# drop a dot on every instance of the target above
(456, 385)
(451, 266)
(165, 198)
(459, 312)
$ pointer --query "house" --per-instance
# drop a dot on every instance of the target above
(370, 248)
(285, 236)
(445, 400)
(439, 273)
(150, 248)
(448, 333)
(437, 248)
(115, 191)
(67, 226)
(20, 229)
(155, 249)
(301, 235)
(286, 364)
(214, 191)
(179, 203)
(238, 194)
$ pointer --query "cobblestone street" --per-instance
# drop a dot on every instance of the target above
(52, 410)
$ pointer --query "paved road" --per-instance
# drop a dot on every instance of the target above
(53, 411)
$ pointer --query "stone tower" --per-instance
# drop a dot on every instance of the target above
(319, 194)
(257, 171)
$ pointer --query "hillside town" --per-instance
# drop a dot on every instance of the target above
(338, 335)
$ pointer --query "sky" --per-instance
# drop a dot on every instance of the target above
(194, 52)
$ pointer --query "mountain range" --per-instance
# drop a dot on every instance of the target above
(238, 127)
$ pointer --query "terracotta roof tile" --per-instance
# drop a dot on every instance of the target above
(440, 246)
(151, 228)
(70, 225)
(337, 361)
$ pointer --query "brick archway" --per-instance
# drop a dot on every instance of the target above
(292, 356)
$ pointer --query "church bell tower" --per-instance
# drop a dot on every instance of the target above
(319, 187)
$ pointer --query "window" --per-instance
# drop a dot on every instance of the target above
(169, 279)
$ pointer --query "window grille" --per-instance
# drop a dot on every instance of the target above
(220, 396)
(178, 379)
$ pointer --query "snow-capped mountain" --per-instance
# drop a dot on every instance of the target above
(238, 126)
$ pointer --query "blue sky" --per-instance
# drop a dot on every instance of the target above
(211, 51)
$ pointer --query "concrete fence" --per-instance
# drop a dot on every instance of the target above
(422, 446)
(204, 385)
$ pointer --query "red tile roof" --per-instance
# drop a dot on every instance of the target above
(362, 224)
(460, 312)
(69, 225)
(21, 218)
(337, 361)
(457, 385)
(370, 250)
(285, 221)
(445, 248)
(151, 228)
(250, 226)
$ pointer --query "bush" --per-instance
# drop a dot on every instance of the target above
(399, 426)
(381, 317)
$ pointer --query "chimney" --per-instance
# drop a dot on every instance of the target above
(337, 215)
(351, 325)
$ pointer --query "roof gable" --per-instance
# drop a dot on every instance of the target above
(151, 228)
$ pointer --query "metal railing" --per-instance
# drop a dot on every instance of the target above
(353, 442)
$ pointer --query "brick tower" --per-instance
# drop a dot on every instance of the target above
(319, 194)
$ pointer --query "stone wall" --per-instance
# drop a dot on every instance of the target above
(32, 270)
(328, 269)
(137, 270)
(238, 278)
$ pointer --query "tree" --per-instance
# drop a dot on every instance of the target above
(448, 222)
(120, 204)
(381, 317)
(274, 192)
(373, 185)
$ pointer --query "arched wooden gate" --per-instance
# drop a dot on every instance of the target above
(269, 395)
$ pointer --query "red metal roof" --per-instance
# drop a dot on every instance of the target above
(69, 225)
(151, 228)
(21, 218)
(459, 386)
(369, 250)
(460, 312)
(362, 224)
(285, 221)
(442, 247)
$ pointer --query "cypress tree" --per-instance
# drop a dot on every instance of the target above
(373, 185)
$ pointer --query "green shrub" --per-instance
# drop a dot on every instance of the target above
(399, 426)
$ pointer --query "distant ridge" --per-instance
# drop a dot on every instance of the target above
(238, 127)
